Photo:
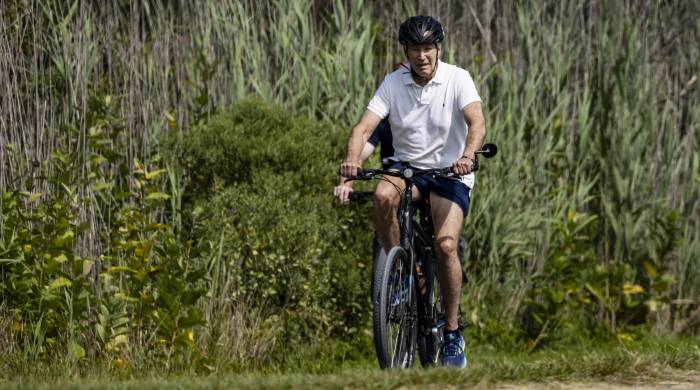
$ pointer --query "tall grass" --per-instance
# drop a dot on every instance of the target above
(591, 123)
(163, 60)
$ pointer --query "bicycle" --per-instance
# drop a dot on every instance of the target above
(408, 311)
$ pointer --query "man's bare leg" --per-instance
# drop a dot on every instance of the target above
(447, 220)
(386, 202)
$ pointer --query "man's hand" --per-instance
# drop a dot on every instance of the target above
(349, 168)
(342, 192)
(463, 166)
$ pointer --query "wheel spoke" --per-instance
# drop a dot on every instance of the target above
(397, 348)
(396, 317)
(394, 334)
(391, 331)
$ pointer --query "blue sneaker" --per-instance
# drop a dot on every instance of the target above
(453, 351)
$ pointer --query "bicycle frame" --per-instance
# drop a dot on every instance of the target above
(415, 235)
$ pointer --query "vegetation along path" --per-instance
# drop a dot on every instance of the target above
(671, 380)
(649, 364)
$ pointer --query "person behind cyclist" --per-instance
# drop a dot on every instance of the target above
(436, 120)
(380, 136)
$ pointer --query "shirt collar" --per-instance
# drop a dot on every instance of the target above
(439, 78)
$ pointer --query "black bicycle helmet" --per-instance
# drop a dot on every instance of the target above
(418, 30)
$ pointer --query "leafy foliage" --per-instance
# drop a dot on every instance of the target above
(265, 211)
(253, 139)
(142, 288)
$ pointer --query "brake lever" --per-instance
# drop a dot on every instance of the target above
(364, 175)
(444, 172)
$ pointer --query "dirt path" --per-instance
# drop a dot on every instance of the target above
(675, 381)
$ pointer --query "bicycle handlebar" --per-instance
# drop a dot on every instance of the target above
(404, 173)
(488, 151)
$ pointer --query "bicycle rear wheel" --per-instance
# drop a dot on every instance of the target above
(429, 343)
(395, 313)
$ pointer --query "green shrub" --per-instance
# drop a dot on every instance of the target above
(253, 138)
(259, 196)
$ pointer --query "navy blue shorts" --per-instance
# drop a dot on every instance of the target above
(446, 187)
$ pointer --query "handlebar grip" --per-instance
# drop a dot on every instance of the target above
(360, 196)
(364, 174)
(360, 173)
(445, 171)
(340, 174)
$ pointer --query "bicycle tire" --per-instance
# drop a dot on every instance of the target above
(378, 265)
(395, 314)
(429, 344)
(378, 260)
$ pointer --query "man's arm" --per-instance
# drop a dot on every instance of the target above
(474, 117)
(344, 188)
(356, 143)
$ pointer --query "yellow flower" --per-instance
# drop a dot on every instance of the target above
(119, 363)
(625, 336)
(190, 336)
(631, 289)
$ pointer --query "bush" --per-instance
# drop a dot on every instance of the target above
(260, 198)
(252, 139)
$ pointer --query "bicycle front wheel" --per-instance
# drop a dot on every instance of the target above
(395, 313)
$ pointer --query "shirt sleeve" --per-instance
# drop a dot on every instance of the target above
(466, 90)
(380, 103)
(374, 138)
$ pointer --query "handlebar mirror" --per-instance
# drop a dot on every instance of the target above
(489, 150)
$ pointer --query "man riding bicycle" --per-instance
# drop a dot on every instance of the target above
(436, 119)
(381, 136)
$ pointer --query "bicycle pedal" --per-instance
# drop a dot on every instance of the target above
(463, 324)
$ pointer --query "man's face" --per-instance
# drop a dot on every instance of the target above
(423, 58)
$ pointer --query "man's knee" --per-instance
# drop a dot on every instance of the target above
(385, 198)
(446, 247)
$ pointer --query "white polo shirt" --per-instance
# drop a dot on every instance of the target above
(427, 123)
